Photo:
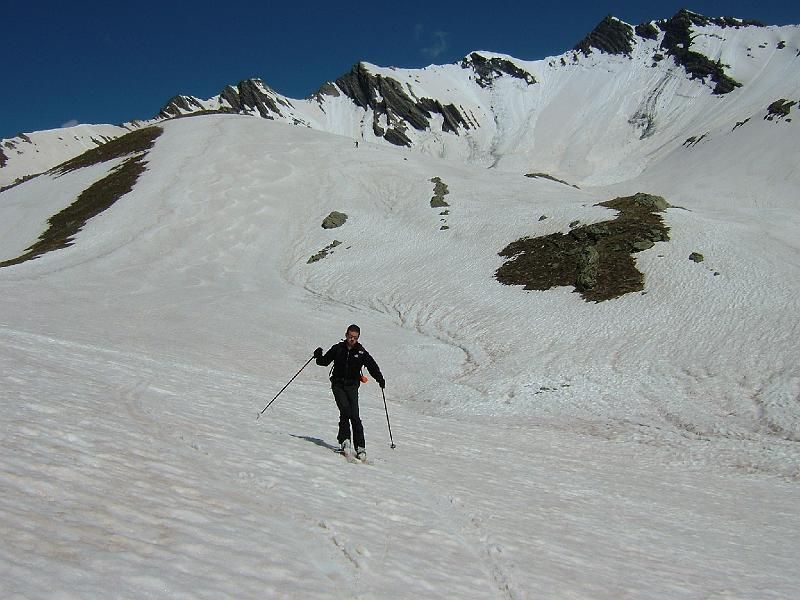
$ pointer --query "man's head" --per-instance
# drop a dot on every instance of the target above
(352, 335)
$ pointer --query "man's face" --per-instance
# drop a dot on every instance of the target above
(351, 337)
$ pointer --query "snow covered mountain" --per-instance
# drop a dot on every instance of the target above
(658, 86)
(556, 437)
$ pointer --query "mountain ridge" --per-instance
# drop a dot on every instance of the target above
(461, 110)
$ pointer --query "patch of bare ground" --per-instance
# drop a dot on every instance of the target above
(597, 259)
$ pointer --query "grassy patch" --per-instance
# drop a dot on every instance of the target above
(136, 141)
(595, 259)
(65, 225)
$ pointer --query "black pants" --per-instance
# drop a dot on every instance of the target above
(347, 401)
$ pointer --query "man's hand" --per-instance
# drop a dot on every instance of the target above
(318, 353)
(382, 383)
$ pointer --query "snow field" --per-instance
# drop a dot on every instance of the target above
(548, 447)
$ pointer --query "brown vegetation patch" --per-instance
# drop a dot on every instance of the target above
(65, 225)
(595, 259)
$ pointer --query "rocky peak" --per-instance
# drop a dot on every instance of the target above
(179, 105)
(693, 18)
(678, 41)
(386, 96)
(611, 36)
(253, 94)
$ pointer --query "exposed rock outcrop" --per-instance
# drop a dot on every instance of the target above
(489, 69)
(678, 41)
(595, 259)
(780, 109)
(439, 192)
(180, 105)
(324, 252)
(334, 220)
(387, 98)
(611, 36)
(253, 94)
(647, 31)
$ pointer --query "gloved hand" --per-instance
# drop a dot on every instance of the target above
(382, 383)
(318, 353)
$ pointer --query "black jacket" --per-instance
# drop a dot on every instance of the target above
(347, 364)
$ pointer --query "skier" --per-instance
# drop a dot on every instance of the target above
(349, 357)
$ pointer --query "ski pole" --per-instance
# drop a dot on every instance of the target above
(387, 419)
(283, 388)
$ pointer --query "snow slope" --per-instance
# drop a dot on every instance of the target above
(37, 152)
(546, 447)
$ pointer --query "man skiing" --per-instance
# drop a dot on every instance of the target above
(349, 357)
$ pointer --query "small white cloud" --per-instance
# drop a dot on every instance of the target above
(71, 123)
(433, 44)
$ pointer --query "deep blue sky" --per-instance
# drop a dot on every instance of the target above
(110, 62)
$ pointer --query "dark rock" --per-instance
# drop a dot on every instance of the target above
(386, 96)
(439, 192)
(252, 94)
(677, 41)
(333, 220)
(696, 257)
(489, 69)
(452, 116)
(324, 252)
(3, 159)
(397, 137)
(740, 123)
(779, 109)
(611, 36)
(179, 105)
(550, 177)
(647, 31)
(328, 89)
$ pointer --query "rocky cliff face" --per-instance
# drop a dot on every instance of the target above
(180, 105)
(677, 43)
(390, 103)
(488, 70)
(253, 95)
(611, 36)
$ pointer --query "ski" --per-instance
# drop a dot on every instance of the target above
(350, 457)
